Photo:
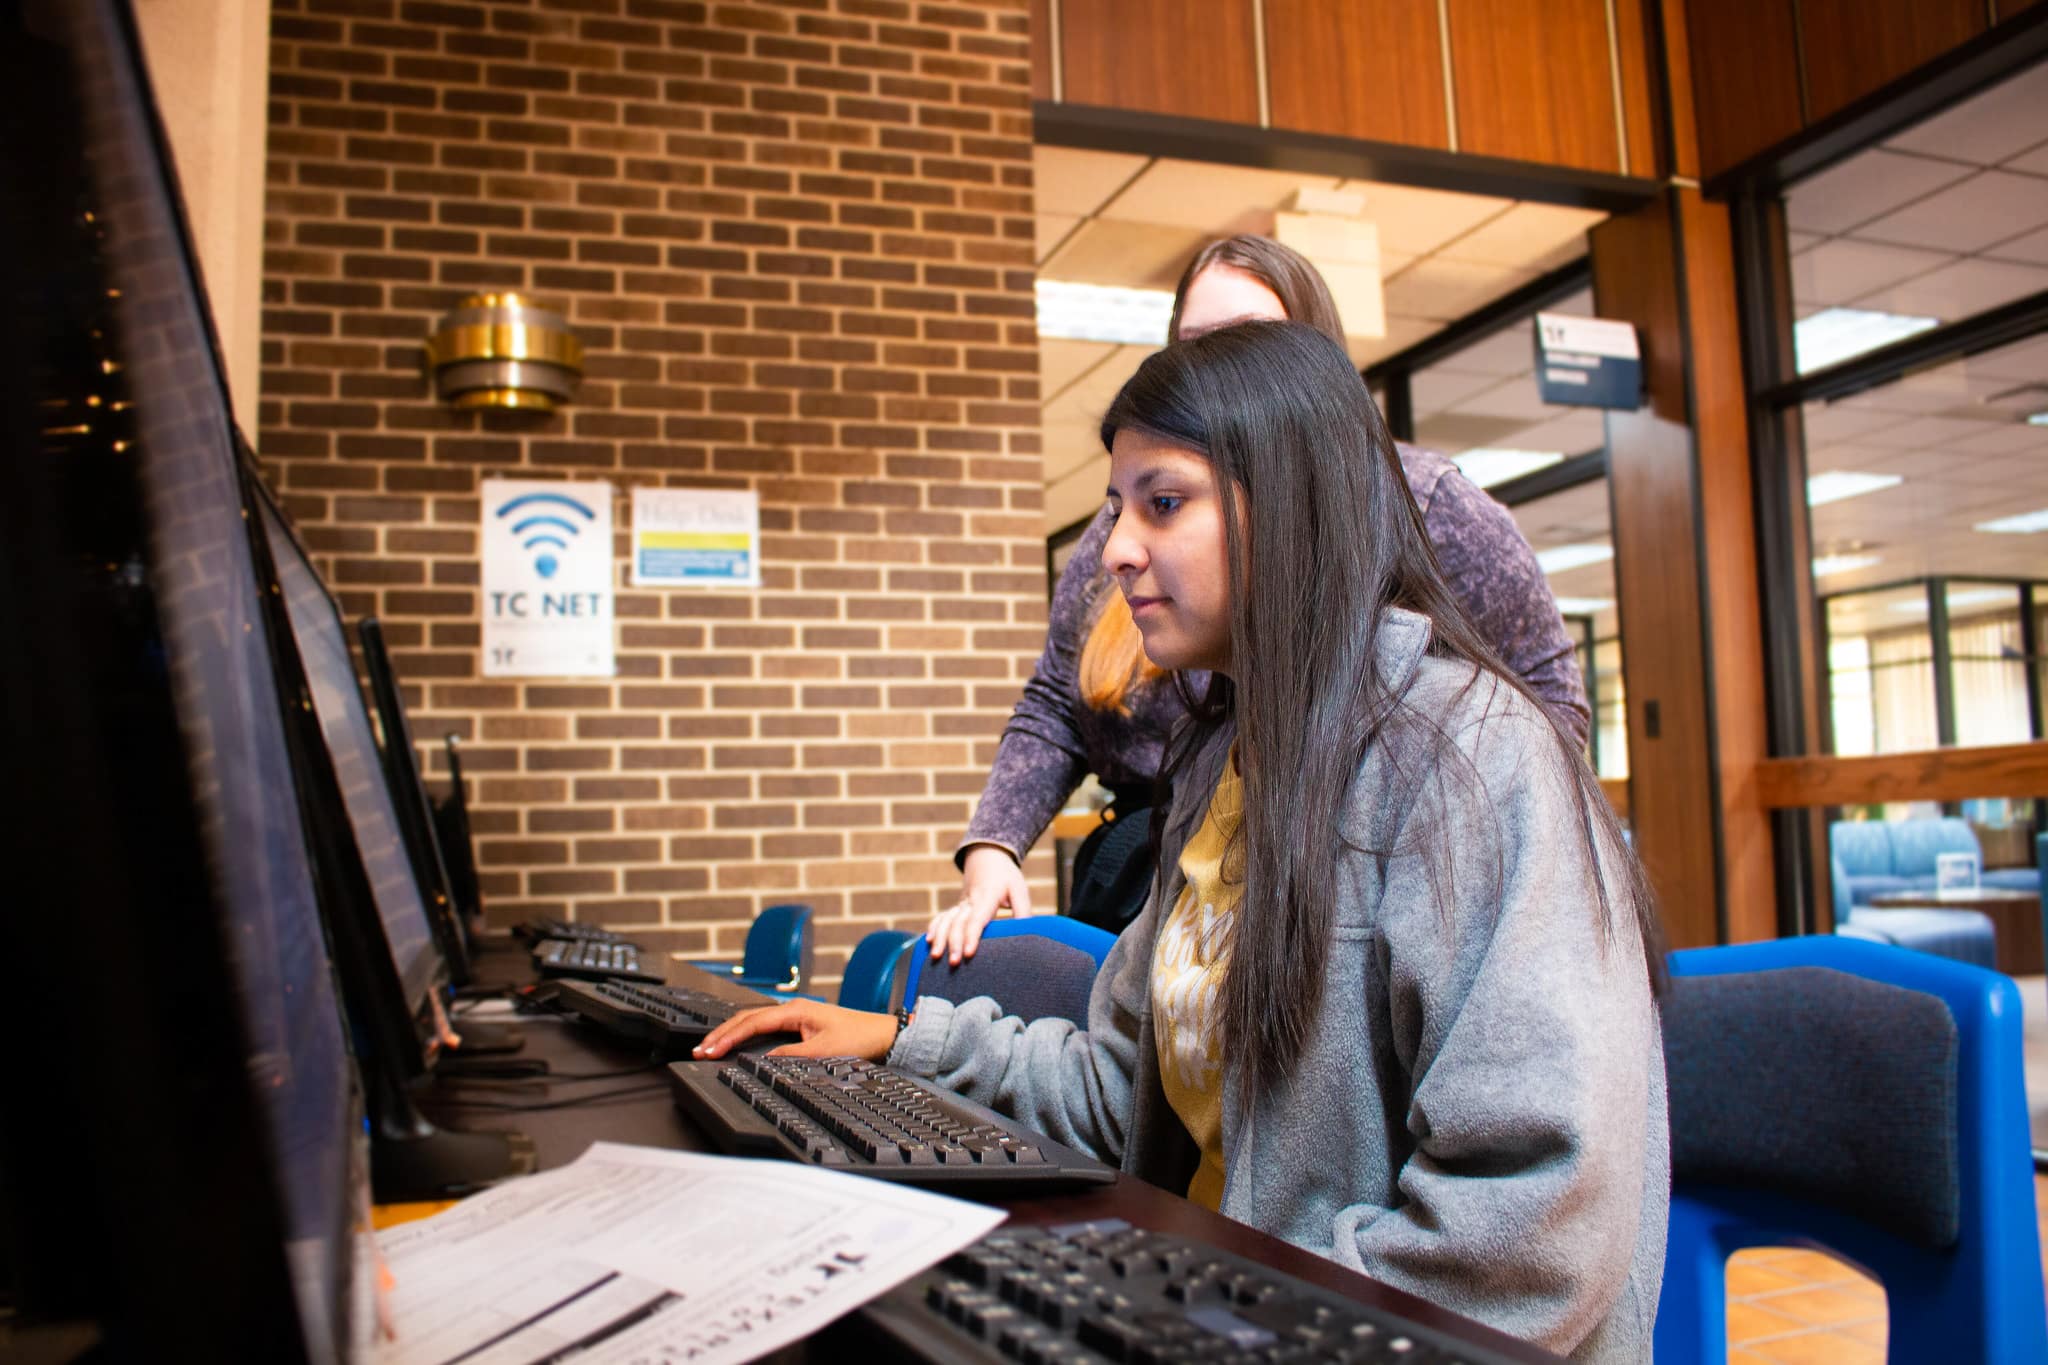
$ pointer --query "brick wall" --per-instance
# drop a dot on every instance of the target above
(795, 237)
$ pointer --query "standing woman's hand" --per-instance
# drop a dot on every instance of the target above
(989, 881)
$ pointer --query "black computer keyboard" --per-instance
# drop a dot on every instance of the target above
(669, 1019)
(596, 961)
(536, 930)
(849, 1115)
(1106, 1291)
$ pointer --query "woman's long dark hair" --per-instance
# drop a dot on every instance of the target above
(1325, 539)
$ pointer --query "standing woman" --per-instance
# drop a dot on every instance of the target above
(1392, 995)
(1096, 704)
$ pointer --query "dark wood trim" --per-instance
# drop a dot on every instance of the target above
(1616, 791)
(1400, 413)
(1505, 311)
(2000, 51)
(1541, 483)
(2010, 322)
(2015, 770)
(1103, 129)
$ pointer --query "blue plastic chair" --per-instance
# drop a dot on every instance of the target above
(1035, 968)
(1974, 1294)
(1059, 928)
(777, 957)
(870, 980)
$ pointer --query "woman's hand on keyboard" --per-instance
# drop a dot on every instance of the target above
(827, 1031)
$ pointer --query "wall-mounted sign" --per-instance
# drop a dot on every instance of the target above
(547, 590)
(1588, 362)
(696, 537)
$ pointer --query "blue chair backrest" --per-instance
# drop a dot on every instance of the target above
(870, 980)
(1033, 967)
(1845, 899)
(1959, 1255)
(779, 946)
(1916, 842)
(1863, 847)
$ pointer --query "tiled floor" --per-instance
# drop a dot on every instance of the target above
(1802, 1308)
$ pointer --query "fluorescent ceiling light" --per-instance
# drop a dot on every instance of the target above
(1837, 484)
(1967, 597)
(1094, 312)
(2026, 523)
(1487, 467)
(1583, 606)
(1836, 334)
(1827, 565)
(1558, 558)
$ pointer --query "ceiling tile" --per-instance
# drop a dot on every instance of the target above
(1959, 290)
(2034, 162)
(1210, 199)
(1842, 268)
(1454, 433)
(1062, 360)
(1401, 334)
(1516, 397)
(1989, 207)
(1863, 187)
(1924, 433)
(1434, 389)
(1077, 494)
(1569, 432)
(1825, 422)
(1526, 236)
(1073, 181)
(1437, 288)
(1128, 255)
(2031, 247)
(1511, 350)
(1415, 221)
(1988, 127)
(1048, 230)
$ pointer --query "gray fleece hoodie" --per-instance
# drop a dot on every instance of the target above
(1480, 1116)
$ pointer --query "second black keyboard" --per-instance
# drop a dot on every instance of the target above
(669, 1019)
(1085, 1293)
(536, 930)
(595, 961)
(845, 1114)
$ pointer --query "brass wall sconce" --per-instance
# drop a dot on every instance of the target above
(499, 351)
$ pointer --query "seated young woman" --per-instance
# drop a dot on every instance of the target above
(1392, 997)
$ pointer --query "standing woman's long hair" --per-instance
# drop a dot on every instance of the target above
(1325, 538)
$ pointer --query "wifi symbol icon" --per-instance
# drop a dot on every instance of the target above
(544, 530)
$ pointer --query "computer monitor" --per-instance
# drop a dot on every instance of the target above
(434, 861)
(181, 1165)
(352, 747)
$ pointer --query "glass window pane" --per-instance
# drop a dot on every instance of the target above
(1937, 224)
(1988, 663)
(1569, 532)
(1480, 407)
(1881, 671)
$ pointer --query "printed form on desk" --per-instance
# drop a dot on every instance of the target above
(636, 1254)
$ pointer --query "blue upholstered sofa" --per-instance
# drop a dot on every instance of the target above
(1960, 935)
(1898, 855)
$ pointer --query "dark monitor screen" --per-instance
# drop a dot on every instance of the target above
(119, 440)
(345, 723)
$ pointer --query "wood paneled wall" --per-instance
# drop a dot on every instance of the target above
(1358, 70)
(1162, 57)
(1652, 482)
(1555, 82)
(1536, 83)
(1764, 70)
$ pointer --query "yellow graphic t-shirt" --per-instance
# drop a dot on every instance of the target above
(1188, 962)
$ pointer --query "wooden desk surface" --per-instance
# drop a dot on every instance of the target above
(636, 1108)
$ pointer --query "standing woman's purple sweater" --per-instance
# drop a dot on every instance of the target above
(1054, 738)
